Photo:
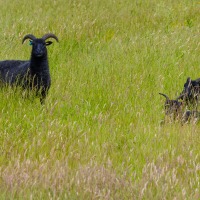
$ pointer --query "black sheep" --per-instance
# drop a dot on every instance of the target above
(173, 107)
(191, 91)
(31, 74)
(175, 110)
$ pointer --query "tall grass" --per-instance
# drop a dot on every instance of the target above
(99, 134)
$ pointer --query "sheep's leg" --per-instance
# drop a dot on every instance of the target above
(42, 100)
(43, 96)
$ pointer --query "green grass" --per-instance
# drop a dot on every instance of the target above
(99, 134)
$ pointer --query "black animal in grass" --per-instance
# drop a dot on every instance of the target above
(191, 92)
(174, 109)
(31, 74)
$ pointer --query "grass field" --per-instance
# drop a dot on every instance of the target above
(99, 134)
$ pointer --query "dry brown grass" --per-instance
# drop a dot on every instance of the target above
(164, 178)
(57, 180)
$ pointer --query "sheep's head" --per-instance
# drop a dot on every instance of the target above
(39, 44)
(191, 90)
(172, 106)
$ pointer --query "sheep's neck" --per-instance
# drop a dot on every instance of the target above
(38, 66)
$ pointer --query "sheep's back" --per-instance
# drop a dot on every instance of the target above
(13, 71)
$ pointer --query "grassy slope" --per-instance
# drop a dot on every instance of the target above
(99, 134)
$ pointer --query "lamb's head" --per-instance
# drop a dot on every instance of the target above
(172, 106)
(191, 90)
(39, 44)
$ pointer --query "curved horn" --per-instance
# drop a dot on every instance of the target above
(164, 96)
(49, 35)
(29, 36)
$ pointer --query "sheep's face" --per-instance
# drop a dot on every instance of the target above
(39, 47)
(173, 107)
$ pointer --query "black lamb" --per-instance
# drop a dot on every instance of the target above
(191, 92)
(31, 74)
(174, 109)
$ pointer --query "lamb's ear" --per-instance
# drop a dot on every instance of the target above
(189, 80)
(30, 42)
(48, 43)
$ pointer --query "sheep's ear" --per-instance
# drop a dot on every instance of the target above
(30, 42)
(48, 43)
(189, 80)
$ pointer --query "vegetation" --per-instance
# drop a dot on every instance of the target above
(99, 135)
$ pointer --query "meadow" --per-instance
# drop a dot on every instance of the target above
(99, 134)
